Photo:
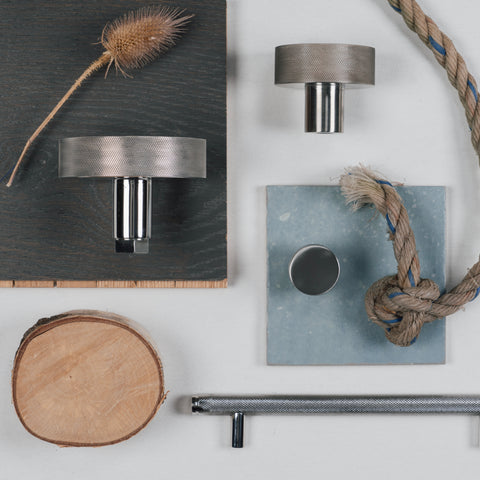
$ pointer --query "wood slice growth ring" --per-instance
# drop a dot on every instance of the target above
(86, 378)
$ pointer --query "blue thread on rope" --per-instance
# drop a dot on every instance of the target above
(437, 46)
(476, 294)
(472, 88)
(384, 182)
(389, 329)
(395, 320)
(413, 341)
(399, 10)
(390, 224)
(410, 277)
(396, 294)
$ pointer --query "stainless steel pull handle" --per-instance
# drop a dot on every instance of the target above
(240, 406)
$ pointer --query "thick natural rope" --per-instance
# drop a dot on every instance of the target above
(402, 303)
(448, 57)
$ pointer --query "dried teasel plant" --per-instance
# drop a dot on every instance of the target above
(130, 42)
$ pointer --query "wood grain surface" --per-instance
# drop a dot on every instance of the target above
(86, 378)
(58, 232)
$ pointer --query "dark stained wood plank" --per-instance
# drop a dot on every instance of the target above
(61, 230)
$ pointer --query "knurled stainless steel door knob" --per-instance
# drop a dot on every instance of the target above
(325, 69)
(132, 162)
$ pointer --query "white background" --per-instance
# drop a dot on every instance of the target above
(411, 127)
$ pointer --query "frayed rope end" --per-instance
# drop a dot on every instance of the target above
(359, 185)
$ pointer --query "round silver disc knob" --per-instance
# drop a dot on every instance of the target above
(314, 269)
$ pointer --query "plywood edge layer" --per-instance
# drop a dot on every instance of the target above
(34, 283)
(201, 284)
(76, 284)
(114, 283)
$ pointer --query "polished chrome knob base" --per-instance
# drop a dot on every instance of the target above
(132, 220)
(324, 107)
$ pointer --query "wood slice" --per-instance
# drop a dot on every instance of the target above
(86, 378)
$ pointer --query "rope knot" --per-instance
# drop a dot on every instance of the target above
(402, 303)
(401, 312)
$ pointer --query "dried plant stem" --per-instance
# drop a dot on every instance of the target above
(104, 59)
(130, 41)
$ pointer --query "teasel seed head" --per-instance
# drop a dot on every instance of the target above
(140, 36)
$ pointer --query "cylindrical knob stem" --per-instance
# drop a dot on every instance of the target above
(237, 430)
(324, 107)
(132, 217)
